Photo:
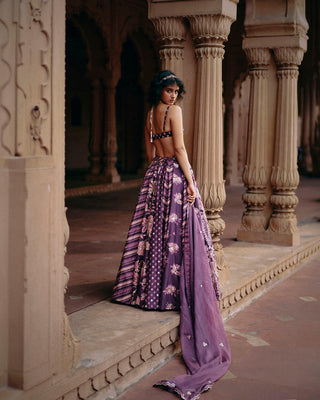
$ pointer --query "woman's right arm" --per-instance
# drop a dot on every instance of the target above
(180, 150)
(150, 149)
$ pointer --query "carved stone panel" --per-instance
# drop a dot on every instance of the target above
(25, 77)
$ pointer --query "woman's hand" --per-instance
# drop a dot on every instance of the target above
(191, 193)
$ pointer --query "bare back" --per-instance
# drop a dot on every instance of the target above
(162, 122)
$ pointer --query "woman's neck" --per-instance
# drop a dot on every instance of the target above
(161, 101)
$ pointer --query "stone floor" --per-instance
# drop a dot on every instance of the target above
(98, 230)
(274, 340)
(275, 344)
(114, 338)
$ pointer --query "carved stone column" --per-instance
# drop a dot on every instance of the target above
(171, 32)
(95, 132)
(110, 131)
(285, 177)
(209, 32)
(32, 134)
(256, 172)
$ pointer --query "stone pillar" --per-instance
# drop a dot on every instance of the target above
(32, 132)
(284, 176)
(209, 32)
(110, 132)
(95, 132)
(171, 32)
(256, 173)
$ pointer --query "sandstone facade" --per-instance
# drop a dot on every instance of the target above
(247, 111)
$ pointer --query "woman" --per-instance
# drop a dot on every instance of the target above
(168, 261)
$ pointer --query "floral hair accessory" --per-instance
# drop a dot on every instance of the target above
(167, 77)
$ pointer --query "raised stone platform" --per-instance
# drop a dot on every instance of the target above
(102, 188)
(255, 268)
(122, 344)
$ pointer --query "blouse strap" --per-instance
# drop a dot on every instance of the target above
(151, 122)
(165, 118)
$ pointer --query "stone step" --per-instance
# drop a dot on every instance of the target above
(122, 344)
(127, 343)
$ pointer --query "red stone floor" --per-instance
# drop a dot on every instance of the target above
(98, 230)
(275, 348)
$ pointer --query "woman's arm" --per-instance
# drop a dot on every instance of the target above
(180, 150)
(150, 149)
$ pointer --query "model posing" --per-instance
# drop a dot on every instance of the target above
(168, 260)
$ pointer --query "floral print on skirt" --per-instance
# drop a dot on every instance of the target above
(149, 274)
(168, 264)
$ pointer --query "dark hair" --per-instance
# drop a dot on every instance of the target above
(162, 80)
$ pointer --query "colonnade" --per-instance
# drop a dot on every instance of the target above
(103, 133)
(36, 343)
(270, 173)
(208, 32)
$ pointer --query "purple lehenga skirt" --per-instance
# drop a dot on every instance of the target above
(168, 264)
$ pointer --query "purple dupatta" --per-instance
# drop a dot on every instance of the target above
(205, 347)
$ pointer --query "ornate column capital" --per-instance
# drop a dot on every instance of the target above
(171, 33)
(170, 30)
(288, 56)
(258, 56)
(210, 30)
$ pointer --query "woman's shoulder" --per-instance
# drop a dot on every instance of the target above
(175, 110)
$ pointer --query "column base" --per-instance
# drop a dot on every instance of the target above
(111, 178)
(270, 237)
(93, 177)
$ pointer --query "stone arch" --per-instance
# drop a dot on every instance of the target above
(85, 64)
(129, 110)
(138, 64)
(77, 59)
(235, 70)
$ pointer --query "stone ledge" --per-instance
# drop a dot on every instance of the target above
(102, 188)
(248, 284)
(121, 344)
(269, 237)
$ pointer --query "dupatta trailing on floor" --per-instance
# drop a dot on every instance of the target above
(205, 347)
(168, 264)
